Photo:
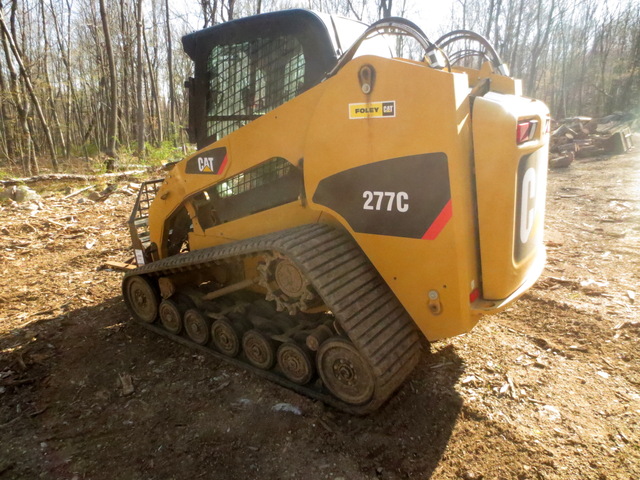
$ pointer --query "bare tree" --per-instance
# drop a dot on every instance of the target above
(80, 78)
(27, 82)
(172, 90)
(139, 79)
(48, 83)
(29, 162)
(112, 122)
(384, 8)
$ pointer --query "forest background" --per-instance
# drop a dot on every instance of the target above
(84, 79)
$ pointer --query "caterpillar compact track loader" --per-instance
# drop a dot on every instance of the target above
(343, 202)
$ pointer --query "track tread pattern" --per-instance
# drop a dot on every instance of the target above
(367, 310)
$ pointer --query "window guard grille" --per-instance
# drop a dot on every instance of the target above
(249, 79)
(253, 178)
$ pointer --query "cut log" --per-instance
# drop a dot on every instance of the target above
(119, 266)
(53, 177)
(562, 162)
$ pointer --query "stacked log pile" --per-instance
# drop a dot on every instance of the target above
(586, 137)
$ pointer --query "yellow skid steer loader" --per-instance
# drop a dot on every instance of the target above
(344, 201)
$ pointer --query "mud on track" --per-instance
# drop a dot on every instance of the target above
(548, 389)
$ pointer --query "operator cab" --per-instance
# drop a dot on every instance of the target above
(247, 67)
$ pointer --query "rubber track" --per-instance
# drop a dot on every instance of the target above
(367, 310)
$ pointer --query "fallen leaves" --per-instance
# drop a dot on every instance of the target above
(45, 252)
(627, 324)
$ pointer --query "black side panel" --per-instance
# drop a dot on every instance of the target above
(401, 197)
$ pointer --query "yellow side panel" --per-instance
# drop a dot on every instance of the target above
(275, 219)
(280, 133)
(511, 187)
(352, 135)
(401, 152)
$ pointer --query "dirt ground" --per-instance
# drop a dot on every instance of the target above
(548, 389)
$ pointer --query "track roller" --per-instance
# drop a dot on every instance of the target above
(296, 362)
(259, 349)
(197, 326)
(170, 316)
(227, 337)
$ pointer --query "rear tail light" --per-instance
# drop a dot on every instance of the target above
(526, 130)
(474, 295)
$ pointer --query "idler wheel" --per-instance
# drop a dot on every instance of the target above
(142, 298)
(345, 372)
(226, 337)
(170, 316)
(197, 326)
(259, 349)
(296, 362)
(290, 279)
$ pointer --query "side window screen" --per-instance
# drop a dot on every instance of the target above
(255, 177)
(267, 185)
(251, 78)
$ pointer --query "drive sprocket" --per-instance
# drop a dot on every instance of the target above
(286, 284)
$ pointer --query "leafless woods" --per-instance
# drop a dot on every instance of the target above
(80, 77)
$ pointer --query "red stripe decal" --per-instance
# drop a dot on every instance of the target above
(439, 223)
(474, 295)
(224, 164)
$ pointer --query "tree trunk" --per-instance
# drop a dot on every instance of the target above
(172, 94)
(50, 99)
(112, 119)
(154, 105)
(540, 44)
(27, 81)
(7, 122)
(230, 9)
(384, 8)
(139, 72)
(126, 53)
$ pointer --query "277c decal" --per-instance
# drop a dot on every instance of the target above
(391, 201)
(359, 111)
(402, 197)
